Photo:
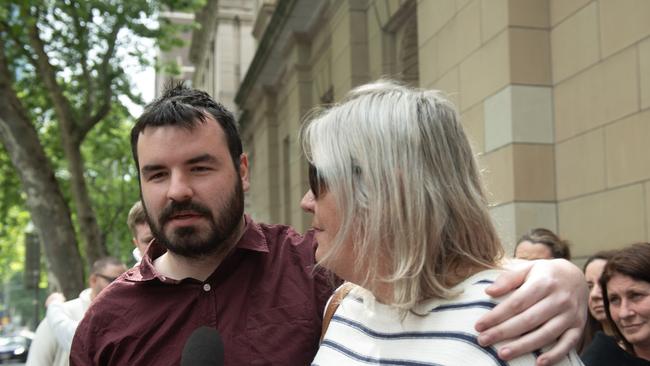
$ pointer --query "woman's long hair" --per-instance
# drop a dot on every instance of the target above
(592, 325)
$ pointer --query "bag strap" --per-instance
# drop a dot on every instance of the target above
(334, 303)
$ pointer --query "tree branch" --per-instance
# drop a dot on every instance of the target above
(7, 28)
(62, 106)
(82, 37)
(105, 82)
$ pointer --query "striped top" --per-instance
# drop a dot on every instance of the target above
(365, 332)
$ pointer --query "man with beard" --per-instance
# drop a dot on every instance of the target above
(212, 265)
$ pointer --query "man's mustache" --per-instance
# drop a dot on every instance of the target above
(175, 208)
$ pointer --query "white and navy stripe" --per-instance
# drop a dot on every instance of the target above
(364, 332)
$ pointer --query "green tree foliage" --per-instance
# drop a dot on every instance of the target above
(64, 128)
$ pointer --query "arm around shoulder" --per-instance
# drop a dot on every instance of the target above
(547, 306)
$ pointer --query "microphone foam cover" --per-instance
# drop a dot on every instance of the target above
(204, 347)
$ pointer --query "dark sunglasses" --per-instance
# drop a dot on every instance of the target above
(107, 278)
(316, 182)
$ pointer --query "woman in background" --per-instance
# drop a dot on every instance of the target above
(626, 294)
(596, 317)
(399, 211)
(542, 243)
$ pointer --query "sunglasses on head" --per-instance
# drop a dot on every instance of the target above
(316, 182)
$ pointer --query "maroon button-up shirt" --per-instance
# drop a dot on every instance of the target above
(265, 299)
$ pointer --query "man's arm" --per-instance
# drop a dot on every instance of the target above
(62, 325)
(549, 304)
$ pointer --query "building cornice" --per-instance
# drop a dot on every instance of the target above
(289, 17)
(264, 49)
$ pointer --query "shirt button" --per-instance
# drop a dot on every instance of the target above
(206, 287)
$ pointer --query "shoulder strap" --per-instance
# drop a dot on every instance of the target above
(334, 303)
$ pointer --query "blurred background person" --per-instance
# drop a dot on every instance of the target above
(625, 283)
(596, 317)
(53, 337)
(542, 243)
(140, 231)
(399, 210)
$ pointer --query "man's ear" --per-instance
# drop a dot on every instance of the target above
(92, 280)
(243, 171)
(135, 242)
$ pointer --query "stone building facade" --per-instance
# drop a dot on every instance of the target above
(554, 94)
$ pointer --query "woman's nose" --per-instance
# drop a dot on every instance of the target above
(307, 202)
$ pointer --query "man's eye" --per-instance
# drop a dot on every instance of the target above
(156, 176)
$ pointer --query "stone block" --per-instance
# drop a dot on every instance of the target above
(512, 220)
(428, 61)
(485, 71)
(580, 165)
(534, 172)
(494, 18)
(530, 59)
(561, 9)
(599, 95)
(498, 175)
(529, 13)
(623, 23)
(519, 114)
(627, 146)
(473, 123)
(604, 220)
(644, 69)
(432, 16)
(575, 43)
(448, 83)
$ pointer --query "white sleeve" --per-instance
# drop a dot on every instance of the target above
(42, 352)
(62, 325)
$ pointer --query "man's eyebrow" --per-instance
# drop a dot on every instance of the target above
(151, 168)
(205, 158)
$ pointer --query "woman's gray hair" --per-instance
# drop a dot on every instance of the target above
(407, 187)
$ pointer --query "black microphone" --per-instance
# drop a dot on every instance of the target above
(203, 348)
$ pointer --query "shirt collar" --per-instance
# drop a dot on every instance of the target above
(252, 239)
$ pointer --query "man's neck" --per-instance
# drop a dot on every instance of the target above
(179, 267)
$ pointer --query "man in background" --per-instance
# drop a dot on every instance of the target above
(140, 231)
(53, 338)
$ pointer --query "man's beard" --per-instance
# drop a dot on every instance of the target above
(188, 241)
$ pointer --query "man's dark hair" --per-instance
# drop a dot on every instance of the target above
(185, 107)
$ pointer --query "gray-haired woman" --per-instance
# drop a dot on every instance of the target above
(399, 210)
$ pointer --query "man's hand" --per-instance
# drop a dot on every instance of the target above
(549, 303)
(54, 298)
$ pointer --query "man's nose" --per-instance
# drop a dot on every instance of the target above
(180, 188)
